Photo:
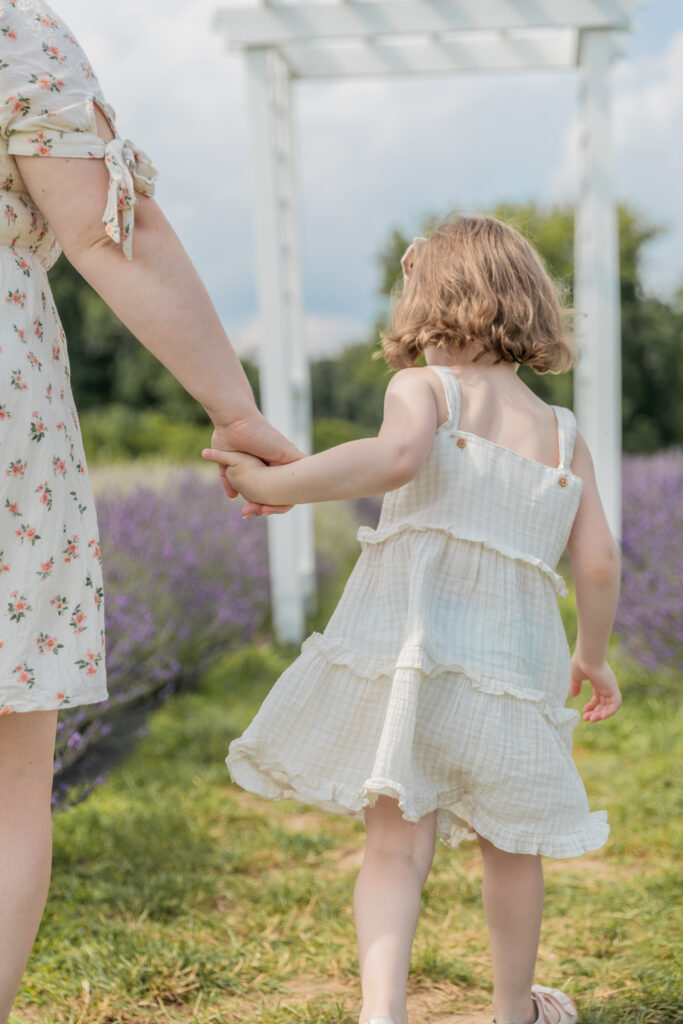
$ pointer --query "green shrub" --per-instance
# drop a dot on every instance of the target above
(330, 431)
(116, 433)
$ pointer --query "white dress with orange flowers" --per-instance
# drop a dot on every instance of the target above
(51, 601)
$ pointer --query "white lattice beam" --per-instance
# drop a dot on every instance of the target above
(277, 24)
(435, 55)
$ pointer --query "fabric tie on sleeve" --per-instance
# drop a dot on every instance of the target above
(129, 169)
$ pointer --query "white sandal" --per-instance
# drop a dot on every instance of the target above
(552, 1006)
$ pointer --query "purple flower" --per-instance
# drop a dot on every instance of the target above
(185, 579)
(650, 615)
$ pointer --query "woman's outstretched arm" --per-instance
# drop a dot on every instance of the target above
(158, 294)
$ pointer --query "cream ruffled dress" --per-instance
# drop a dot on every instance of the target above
(442, 676)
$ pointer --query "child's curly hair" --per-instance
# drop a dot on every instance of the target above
(478, 282)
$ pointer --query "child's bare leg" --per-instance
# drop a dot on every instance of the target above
(386, 903)
(513, 903)
(26, 754)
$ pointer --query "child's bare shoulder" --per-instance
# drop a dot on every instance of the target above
(412, 377)
(418, 380)
(419, 385)
(414, 383)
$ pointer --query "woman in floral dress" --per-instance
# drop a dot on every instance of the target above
(100, 211)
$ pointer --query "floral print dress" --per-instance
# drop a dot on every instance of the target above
(51, 599)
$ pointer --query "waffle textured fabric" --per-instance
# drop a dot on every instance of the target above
(442, 676)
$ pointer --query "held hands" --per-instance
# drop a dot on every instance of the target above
(244, 473)
(606, 699)
(253, 434)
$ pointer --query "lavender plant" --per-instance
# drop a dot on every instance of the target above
(650, 615)
(184, 580)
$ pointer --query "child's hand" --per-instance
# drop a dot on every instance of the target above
(255, 435)
(245, 472)
(606, 699)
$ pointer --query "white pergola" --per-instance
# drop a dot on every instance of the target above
(353, 38)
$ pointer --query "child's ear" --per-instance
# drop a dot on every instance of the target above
(408, 258)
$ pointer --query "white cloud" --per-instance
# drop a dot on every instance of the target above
(648, 130)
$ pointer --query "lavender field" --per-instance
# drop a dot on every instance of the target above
(186, 580)
(650, 616)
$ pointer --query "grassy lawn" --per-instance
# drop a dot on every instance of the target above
(177, 897)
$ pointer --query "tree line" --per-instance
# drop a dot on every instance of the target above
(122, 391)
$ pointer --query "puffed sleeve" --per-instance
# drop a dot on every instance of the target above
(48, 93)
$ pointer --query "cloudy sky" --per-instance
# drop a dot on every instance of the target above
(373, 154)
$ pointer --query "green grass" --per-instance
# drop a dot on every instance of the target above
(177, 897)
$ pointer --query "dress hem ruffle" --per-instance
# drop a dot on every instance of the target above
(9, 706)
(465, 820)
(415, 658)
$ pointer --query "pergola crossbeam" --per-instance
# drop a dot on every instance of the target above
(436, 55)
(274, 25)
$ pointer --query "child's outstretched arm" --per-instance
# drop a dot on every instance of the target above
(595, 564)
(371, 465)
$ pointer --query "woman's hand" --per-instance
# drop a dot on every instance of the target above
(255, 435)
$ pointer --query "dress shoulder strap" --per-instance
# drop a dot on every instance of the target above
(567, 435)
(452, 390)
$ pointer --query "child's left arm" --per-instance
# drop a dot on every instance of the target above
(371, 465)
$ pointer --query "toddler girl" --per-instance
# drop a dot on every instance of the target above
(433, 703)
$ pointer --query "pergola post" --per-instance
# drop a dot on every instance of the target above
(346, 39)
(283, 365)
(597, 378)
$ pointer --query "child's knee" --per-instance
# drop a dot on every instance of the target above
(397, 859)
(390, 837)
